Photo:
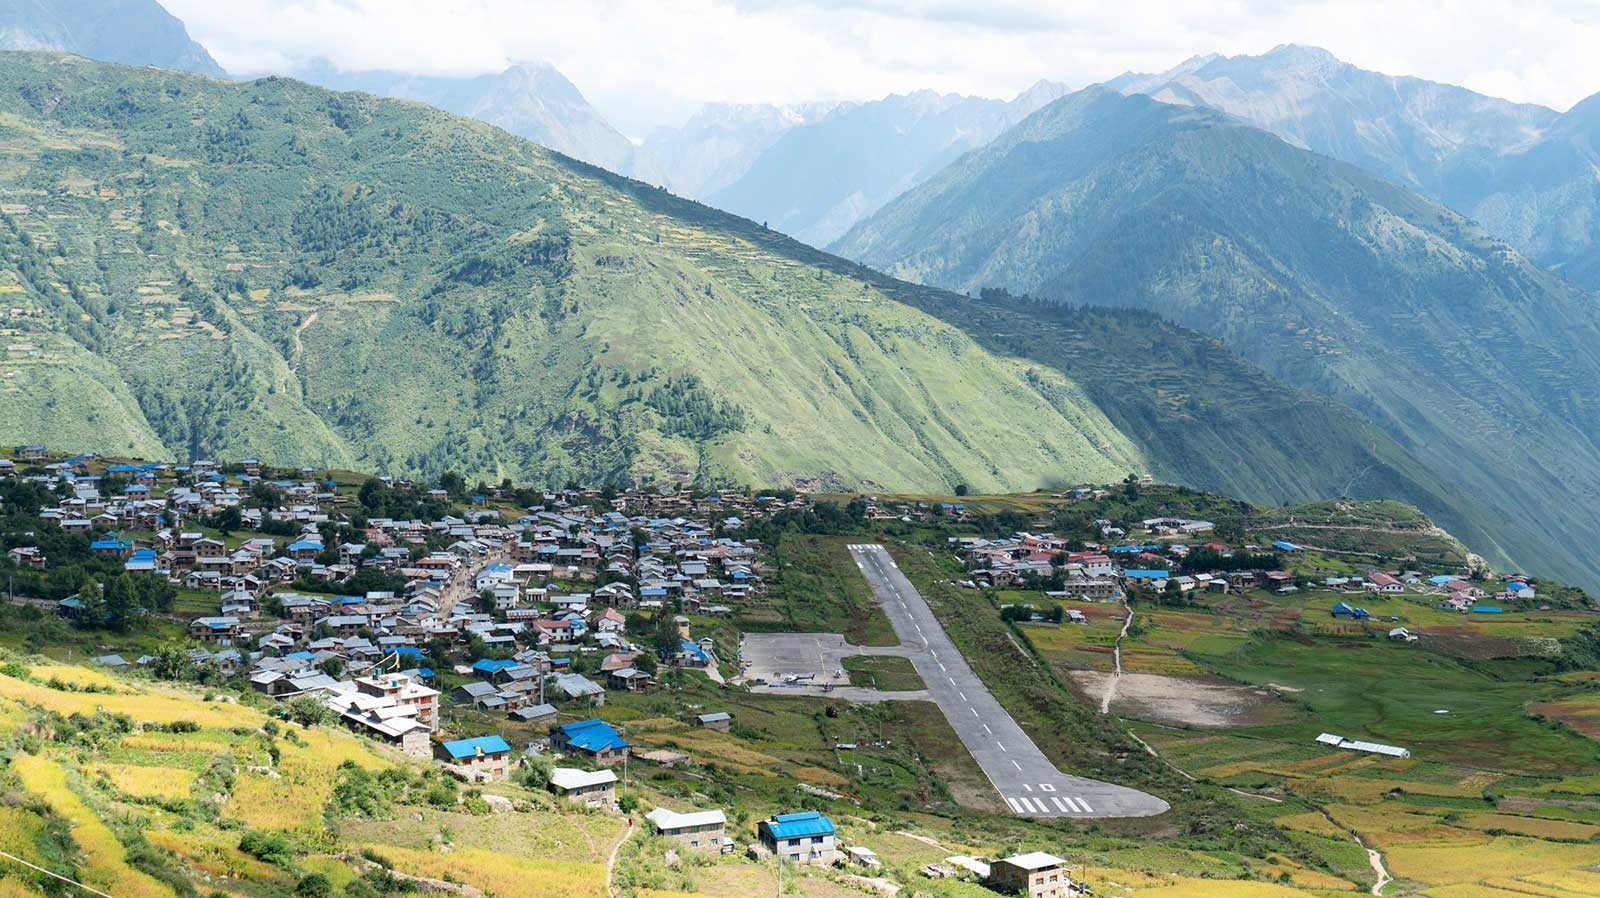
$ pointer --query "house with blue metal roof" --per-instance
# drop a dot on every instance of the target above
(1145, 574)
(484, 757)
(141, 560)
(593, 738)
(488, 667)
(804, 837)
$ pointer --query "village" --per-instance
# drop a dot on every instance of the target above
(531, 620)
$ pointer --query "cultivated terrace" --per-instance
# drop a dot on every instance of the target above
(224, 678)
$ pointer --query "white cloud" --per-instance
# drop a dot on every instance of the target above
(648, 61)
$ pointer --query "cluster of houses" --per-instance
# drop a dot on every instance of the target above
(1455, 593)
(1101, 570)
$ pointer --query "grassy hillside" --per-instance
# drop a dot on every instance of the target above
(1333, 280)
(200, 268)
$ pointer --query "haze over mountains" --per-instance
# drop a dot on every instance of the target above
(339, 279)
(531, 100)
(1476, 360)
(133, 32)
(1525, 172)
(376, 284)
(819, 178)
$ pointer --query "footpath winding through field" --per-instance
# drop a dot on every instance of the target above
(1116, 654)
(611, 860)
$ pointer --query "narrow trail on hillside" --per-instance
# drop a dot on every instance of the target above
(1374, 856)
(611, 861)
(1116, 654)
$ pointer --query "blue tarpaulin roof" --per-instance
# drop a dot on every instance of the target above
(800, 825)
(1145, 574)
(593, 735)
(468, 748)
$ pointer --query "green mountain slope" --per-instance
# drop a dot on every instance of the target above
(271, 269)
(1476, 361)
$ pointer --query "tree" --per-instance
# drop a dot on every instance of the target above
(227, 520)
(313, 885)
(962, 489)
(92, 612)
(172, 663)
(307, 711)
(665, 636)
(535, 772)
(453, 483)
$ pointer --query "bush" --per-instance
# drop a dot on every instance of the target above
(313, 885)
(270, 847)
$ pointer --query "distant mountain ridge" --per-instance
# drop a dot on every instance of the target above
(1523, 171)
(817, 179)
(720, 141)
(531, 100)
(1327, 276)
(131, 32)
(337, 279)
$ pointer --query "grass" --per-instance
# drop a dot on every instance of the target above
(817, 588)
(1389, 693)
(887, 672)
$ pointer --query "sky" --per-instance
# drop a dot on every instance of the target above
(646, 63)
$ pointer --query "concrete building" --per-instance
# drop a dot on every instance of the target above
(700, 830)
(404, 691)
(483, 757)
(1034, 875)
(805, 837)
(593, 788)
(717, 720)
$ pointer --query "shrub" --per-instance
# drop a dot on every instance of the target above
(271, 847)
(313, 885)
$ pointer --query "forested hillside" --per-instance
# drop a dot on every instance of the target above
(1330, 278)
(198, 268)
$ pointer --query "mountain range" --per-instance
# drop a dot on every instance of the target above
(133, 32)
(531, 100)
(819, 178)
(720, 142)
(1331, 278)
(197, 268)
(1525, 172)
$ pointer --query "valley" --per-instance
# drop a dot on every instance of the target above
(812, 450)
(1226, 687)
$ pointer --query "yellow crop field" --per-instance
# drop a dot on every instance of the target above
(19, 830)
(12, 887)
(77, 676)
(105, 865)
(158, 707)
(502, 875)
(707, 745)
(1534, 826)
(1504, 888)
(1310, 822)
(1584, 882)
(1185, 887)
(294, 799)
(12, 715)
(1483, 858)
(147, 782)
(819, 776)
